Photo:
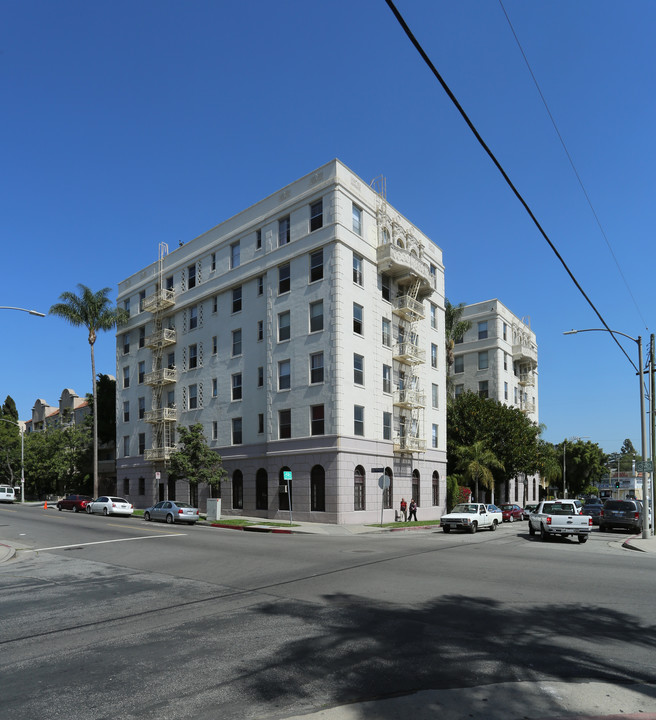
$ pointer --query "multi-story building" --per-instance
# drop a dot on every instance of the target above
(306, 334)
(498, 358)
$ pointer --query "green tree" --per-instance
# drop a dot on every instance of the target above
(476, 461)
(95, 312)
(454, 329)
(455, 491)
(550, 463)
(196, 462)
(585, 464)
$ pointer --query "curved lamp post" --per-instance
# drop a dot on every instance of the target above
(22, 434)
(31, 312)
(643, 432)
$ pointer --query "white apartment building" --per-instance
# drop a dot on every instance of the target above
(498, 358)
(306, 334)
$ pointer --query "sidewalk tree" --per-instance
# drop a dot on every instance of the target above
(585, 464)
(476, 462)
(196, 462)
(95, 312)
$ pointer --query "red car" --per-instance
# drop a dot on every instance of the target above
(511, 513)
(76, 503)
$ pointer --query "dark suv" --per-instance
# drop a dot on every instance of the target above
(625, 514)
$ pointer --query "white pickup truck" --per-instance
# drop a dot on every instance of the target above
(559, 517)
(471, 517)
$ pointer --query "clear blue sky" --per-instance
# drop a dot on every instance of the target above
(126, 124)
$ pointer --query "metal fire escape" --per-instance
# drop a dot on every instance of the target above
(162, 415)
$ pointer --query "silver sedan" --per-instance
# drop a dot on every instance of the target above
(172, 511)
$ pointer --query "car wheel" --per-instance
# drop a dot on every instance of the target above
(446, 528)
(147, 516)
(511, 519)
(583, 538)
(89, 510)
(474, 527)
(169, 519)
(493, 527)
(59, 507)
(543, 533)
(531, 530)
(75, 508)
(104, 511)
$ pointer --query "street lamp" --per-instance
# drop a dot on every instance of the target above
(643, 432)
(22, 434)
(31, 312)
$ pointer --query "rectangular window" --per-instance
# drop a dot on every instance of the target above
(215, 303)
(142, 297)
(126, 377)
(316, 316)
(260, 423)
(358, 312)
(505, 361)
(142, 372)
(505, 331)
(357, 220)
(142, 337)
(316, 265)
(260, 285)
(358, 420)
(215, 430)
(260, 376)
(482, 389)
(213, 262)
(234, 255)
(482, 360)
(126, 411)
(385, 288)
(236, 431)
(387, 378)
(236, 299)
(193, 397)
(142, 486)
(126, 343)
(317, 420)
(316, 215)
(193, 356)
(126, 446)
(515, 395)
(142, 407)
(434, 395)
(482, 330)
(505, 391)
(459, 390)
(387, 332)
(126, 306)
(170, 399)
(387, 426)
(191, 276)
(142, 443)
(193, 317)
(459, 364)
(284, 375)
(316, 368)
(358, 269)
(215, 345)
(215, 387)
(358, 369)
(236, 386)
(284, 283)
(236, 343)
(434, 436)
(260, 330)
(433, 316)
(284, 424)
(284, 231)
(433, 355)
(258, 239)
(169, 282)
(284, 326)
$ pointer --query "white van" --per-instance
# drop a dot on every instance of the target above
(7, 493)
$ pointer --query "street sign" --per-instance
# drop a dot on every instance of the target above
(377, 470)
(157, 476)
(645, 466)
(286, 474)
(383, 482)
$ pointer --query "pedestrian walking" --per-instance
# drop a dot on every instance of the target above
(413, 509)
(404, 509)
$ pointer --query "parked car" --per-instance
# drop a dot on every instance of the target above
(511, 512)
(76, 503)
(593, 510)
(528, 509)
(172, 511)
(7, 494)
(626, 514)
(110, 506)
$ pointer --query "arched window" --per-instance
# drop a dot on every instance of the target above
(261, 490)
(436, 488)
(416, 486)
(285, 490)
(318, 489)
(388, 493)
(237, 490)
(359, 499)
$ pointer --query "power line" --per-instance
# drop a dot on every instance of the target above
(571, 162)
(492, 157)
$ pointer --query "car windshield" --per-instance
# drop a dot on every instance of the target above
(121, 500)
(619, 505)
(558, 509)
(464, 508)
(507, 507)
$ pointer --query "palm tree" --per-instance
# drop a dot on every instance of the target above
(95, 312)
(476, 463)
(454, 328)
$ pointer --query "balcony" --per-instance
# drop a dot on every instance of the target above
(409, 353)
(408, 444)
(528, 407)
(165, 376)
(161, 338)
(404, 267)
(160, 300)
(527, 379)
(410, 399)
(158, 454)
(408, 308)
(525, 352)
(161, 415)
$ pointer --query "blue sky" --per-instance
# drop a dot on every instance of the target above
(127, 124)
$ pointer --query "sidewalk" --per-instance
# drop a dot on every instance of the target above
(310, 528)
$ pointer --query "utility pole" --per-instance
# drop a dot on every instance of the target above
(652, 428)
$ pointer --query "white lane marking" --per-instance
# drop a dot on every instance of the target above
(104, 542)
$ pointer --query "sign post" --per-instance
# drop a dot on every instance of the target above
(287, 476)
(383, 484)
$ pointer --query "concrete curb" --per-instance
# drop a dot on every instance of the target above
(7, 552)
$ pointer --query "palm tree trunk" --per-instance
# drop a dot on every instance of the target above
(95, 424)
